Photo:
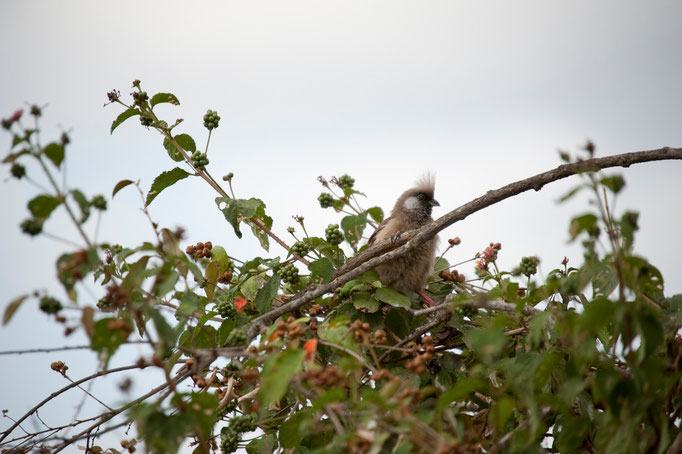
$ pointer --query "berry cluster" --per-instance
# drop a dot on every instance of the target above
(289, 273)
(211, 119)
(300, 248)
(18, 171)
(346, 181)
(116, 298)
(225, 308)
(59, 366)
(31, 226)
(226, 277)
(129, 445)
(452, 276)
(140, 98)
(379, 337)
(360, 328)
(231, 434)
(146, 119)
(454, 241)
(236, 337)
(418, 363)
(99, 202)
(490, 253)
(50, 305)
(326, 377)
(333, 234)
(466, 311)
(200, 250)
(290, 328)
(381, 375)
(315, 310)
(199, 160)
(227, 409)
(326, 200)
(8, 122)
(529, 266)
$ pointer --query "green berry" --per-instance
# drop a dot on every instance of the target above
(289, 273)
(229, 440)
(236, 337)
(31, 227)
(18, 171)
(140, 97)
(326, 200)
(529, 266)
(211, 120)
(243, 423)
(146, 120)
(333, 234)
(466, 311)
(99, 202)
(300, 248)
(225, 308)
(50, 305)
(199, 160)
(346, 181)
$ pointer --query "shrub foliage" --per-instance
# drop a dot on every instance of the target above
(306, 350)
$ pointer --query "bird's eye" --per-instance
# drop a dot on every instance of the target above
(421, 196)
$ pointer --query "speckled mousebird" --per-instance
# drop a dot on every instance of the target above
(412, 210)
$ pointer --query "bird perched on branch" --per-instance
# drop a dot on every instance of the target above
(411, 211)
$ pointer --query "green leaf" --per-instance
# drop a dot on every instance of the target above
(83, 204)
(238, 210)
(166, 179)
(353, 226)
(123, 117)
(185, 141)
(168, 336)
(219, 255)
(164, 97)
(571, 193)
(189, 304)
(614, 182)
(376, 213)
(106, 341)
(586, 222)
(211, 276)
(290, 431)
(55, 153)
(461, 390)
(487, 342)
(266, 294)
(120, 185)
(392, 297)
(42, 205)
(10, 158)
(12, 308)
(364, 300)
(277, 372)
(322, 268)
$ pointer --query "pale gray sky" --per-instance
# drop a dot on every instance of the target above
(482, 93)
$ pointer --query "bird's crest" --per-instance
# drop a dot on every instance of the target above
(426, 184)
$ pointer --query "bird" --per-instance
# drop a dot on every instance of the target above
(412, 210)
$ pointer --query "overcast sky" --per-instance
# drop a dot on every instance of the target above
(481, 93)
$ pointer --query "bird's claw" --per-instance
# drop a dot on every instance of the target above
(395, 236)
(429, 302)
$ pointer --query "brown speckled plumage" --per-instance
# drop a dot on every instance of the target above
(411, 211)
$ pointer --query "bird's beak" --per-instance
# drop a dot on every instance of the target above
(434, 203)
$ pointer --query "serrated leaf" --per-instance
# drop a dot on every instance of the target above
(322, 268)
(277, 371)
(166, 179)
(353, 226)
(266, 294)
(238, 210)
(55, 153)
(393, 298)
(614, 182)
(365, 301)
(83, 204)
(164, 97)
(120, 185)
(185, 141)
(131, 112)
(12, 308)
(586, 222)
(42, 205)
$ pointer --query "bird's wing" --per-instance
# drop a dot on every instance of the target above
(382, 232)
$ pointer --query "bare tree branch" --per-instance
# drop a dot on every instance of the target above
(388, 250)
